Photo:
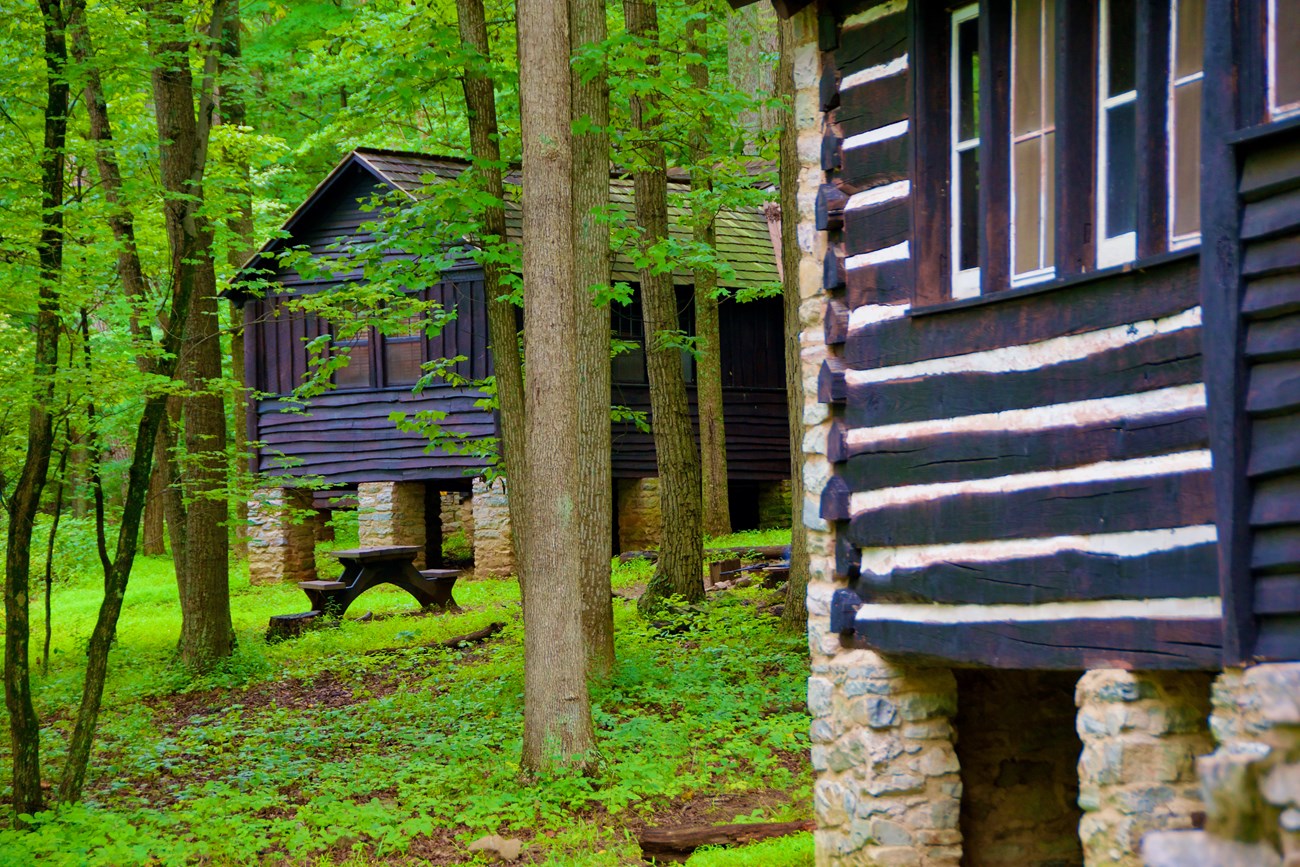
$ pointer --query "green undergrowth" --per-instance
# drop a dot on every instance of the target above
(370, 743)
(793, 851)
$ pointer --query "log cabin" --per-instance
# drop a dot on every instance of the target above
(1052, 428)
(345, 442)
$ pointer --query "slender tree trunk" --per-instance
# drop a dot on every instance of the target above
(795, 616)
(480, 103)
(708, 368)
(207, 634)
(117, 569)
(25, 502)
(173, 497)
(681, 558)
(591, 274)
(60, 484)
(557, 713)
(241, 227)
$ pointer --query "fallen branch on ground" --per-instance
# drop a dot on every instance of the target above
(675, 845)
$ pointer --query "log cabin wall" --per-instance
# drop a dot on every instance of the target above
(1022, 471)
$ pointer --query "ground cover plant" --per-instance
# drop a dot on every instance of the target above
(371, 743)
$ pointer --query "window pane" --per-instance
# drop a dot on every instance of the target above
(1187, 158)
(968, 163)
(968, 79)
(1121, 169)
(1026, 160)
(1026, 102)
(357, 372)
(1049, 55)
(402, 359)
(629, 366)
(1286, 53)
(1189, 46)
(1049, 224)
(1122, 35)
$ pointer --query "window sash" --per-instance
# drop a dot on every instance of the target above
(965, 281)
(1033, 205)
(1112, 249)
(1183, 130)
(1284, 82)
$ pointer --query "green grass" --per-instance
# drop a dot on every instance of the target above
(363, 744)
(793, 851)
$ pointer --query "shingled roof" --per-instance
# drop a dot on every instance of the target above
(743, 238)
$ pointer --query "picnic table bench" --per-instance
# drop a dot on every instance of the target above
(364, 568)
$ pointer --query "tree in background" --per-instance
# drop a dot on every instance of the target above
(558, 730)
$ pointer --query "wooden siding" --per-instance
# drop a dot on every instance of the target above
(1040, 455)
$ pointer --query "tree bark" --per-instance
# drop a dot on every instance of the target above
(591, 263)
(203, 578)
(240, 224)
(681, 560)
(708, 368)
(153, 543)
(795, 616)
(557, 713)
(480, 104)
(25, 502)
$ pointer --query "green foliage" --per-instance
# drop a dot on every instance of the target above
(793, 851)
(457, 549)
(367, 741)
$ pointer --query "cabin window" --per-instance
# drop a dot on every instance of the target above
(965, 89)
(1117, 133)
(1187, 69)
(356, 374)
(1033, 141)
(404, 352)
(629, 365)
(1283, 49)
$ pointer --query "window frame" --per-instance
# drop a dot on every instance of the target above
(1117, 249)
(964, 282)
(1275, 111)
(1187, 239)
(1046, 203)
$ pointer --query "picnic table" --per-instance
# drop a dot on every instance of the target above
(364, 568)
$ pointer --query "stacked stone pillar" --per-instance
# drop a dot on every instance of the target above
(640, 523)
(1141, 734)
(494, 553)
(391, 514)
(281, 536)
(888, 788)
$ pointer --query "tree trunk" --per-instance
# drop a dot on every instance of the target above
(207, 634)
(591, 274)
(557, 713)
(117, 570)
(681, 560)
(708, 368)
(752, 41)
(795, 616)
(480, 104)
(153, 543)
(25, 501)
(240, 224)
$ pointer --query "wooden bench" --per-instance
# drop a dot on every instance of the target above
(364, 568)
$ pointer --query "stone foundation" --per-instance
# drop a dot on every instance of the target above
(1018, 751)
(1141, 733)
(494, 553)
(774, 505)
(281, 536)
(640, 524)
(888, 790)
(391, 513)
(1251, 783)
(457, 514)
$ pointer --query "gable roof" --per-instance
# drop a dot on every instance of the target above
(743, 239)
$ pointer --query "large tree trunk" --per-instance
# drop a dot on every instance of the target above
(708, 369)
(795, 616)
(480, 104)
(25, 501)
(240, 224)
(557, 712)
(153, 543)
(681, 561)
(203, 578)
(591, 275)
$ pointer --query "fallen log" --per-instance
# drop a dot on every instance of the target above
(745, 552)
(475, 637)
(675, 845)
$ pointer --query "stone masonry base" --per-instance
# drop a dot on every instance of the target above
(390, 514)
(494, 554)
(281, 536)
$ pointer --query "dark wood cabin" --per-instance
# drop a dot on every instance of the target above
(1064, 330)
(345, 435)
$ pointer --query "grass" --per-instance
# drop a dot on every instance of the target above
(368, 744)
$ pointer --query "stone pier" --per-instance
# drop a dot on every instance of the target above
(1141, 734)
(281, 536)
(640, 523)
(391, 513)
(494, 554)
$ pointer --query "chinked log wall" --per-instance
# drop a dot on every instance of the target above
(1049, 446)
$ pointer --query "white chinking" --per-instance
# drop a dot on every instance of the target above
(874, 73)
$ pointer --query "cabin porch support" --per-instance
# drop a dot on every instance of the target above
(1141, 734)
(494, 553)
(281, 536)
(391, 514)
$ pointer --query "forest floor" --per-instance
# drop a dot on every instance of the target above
(370, 743)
